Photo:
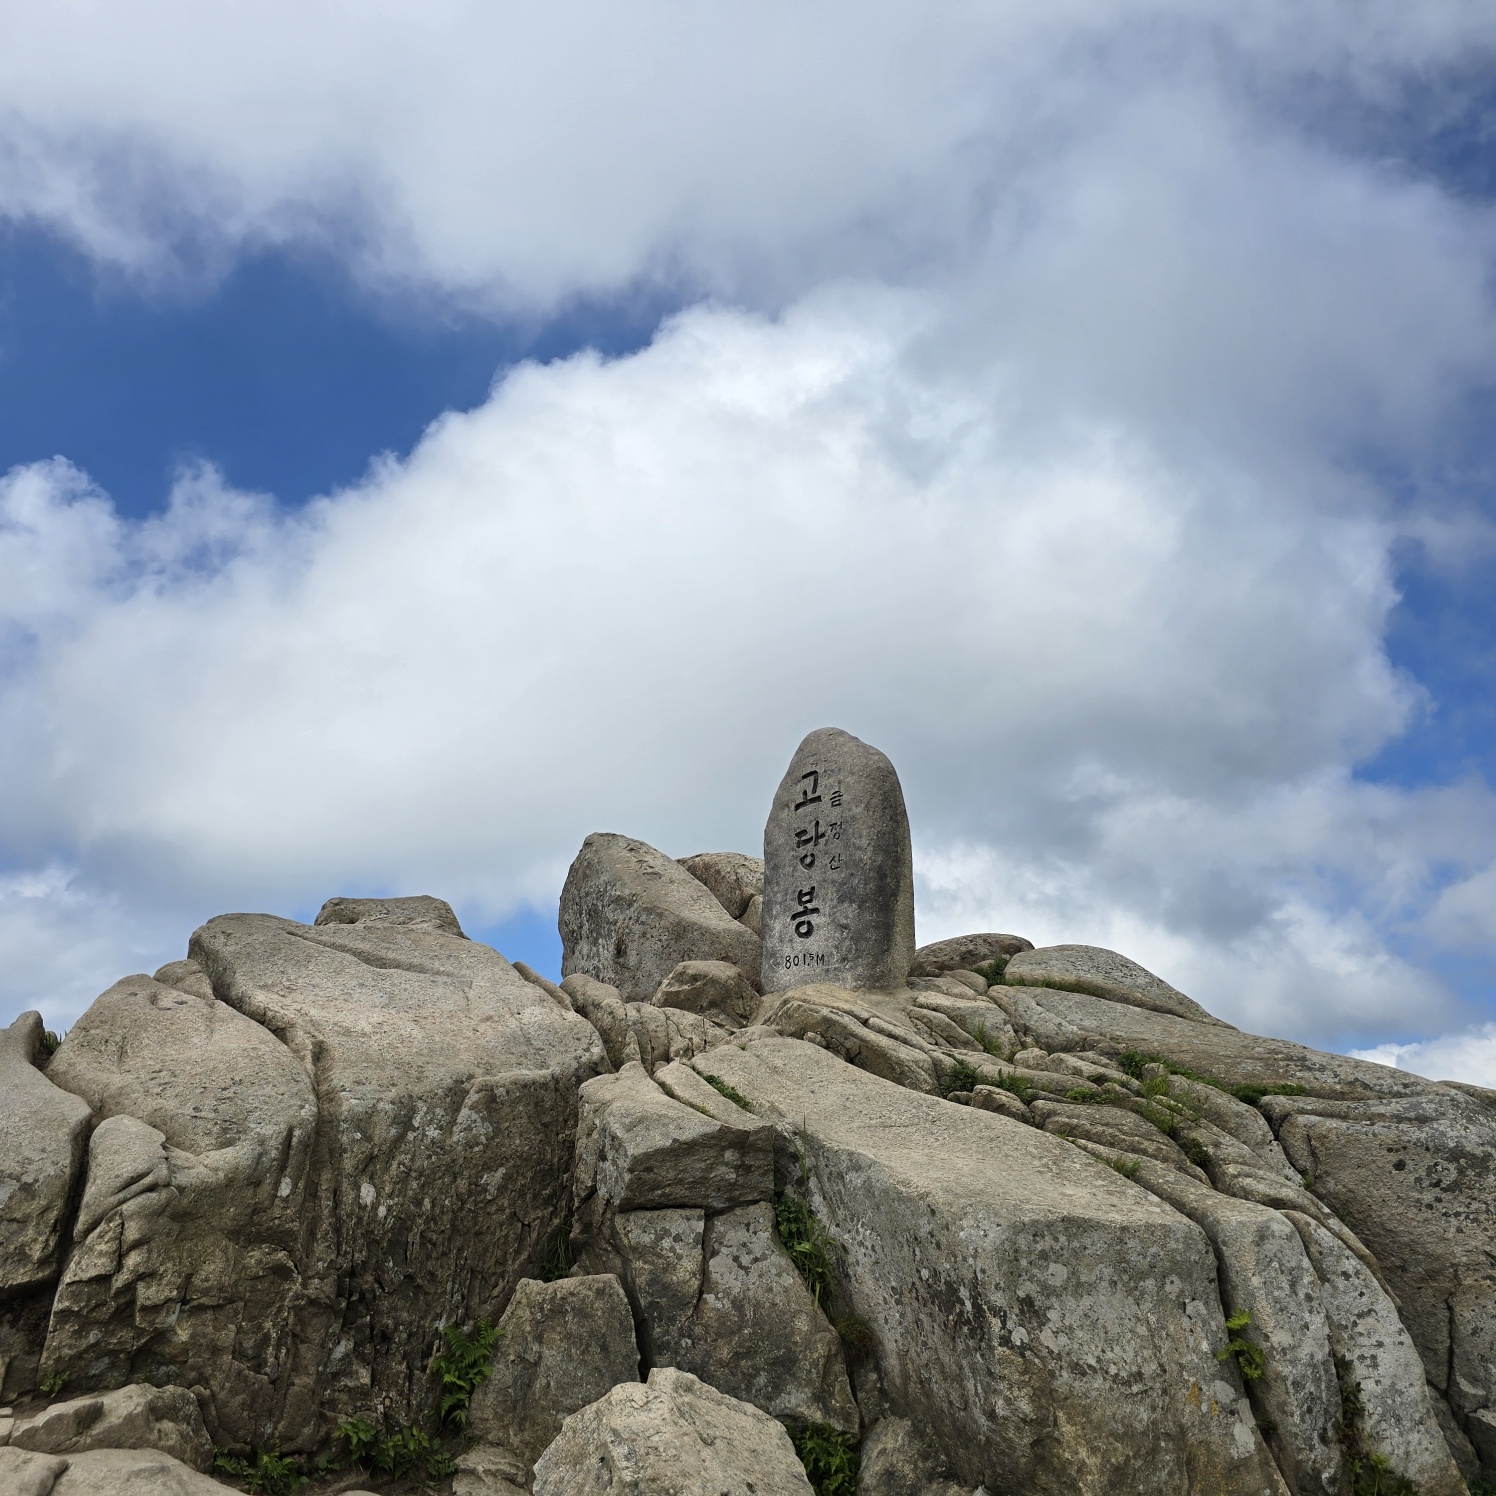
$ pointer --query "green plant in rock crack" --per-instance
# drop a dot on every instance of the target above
(960, 1077)
(829, 1457)
(723, 1089)
(54, 1384)
(1248, 1353)
(555, 1258)
(267, 1471)
(992, 971)
(1371, 1472)
(460, 1366)
(996, 1050)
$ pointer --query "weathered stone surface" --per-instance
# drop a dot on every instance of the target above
(996, 1099)
(1039, 1315)
(445, 1087)
(753, 915)
(42, 1131)
(719, 1297)
(1101, 973)
(185, 976)
(489, 1470)
(1110, 1126)
(1375, 1350)
(134, 1417)
(712, 989)
(640, 1149)
(897, 1460)
(186, 1266)
(965, 953)
(660, 1253)
(734, 878)
(838, 873)
(131, 1472)
(672, 1435)
(420, 912)
(855, 1030)
(562, 1346)
(1414, 1177)
(23, 1473)
(1265, 1272)
(630, 915)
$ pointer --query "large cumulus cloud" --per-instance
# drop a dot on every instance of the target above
(1032, 417)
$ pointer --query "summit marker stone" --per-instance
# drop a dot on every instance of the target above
(838, 875)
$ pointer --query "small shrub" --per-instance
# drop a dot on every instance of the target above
(403, 1451)
(358, 1437)
(1165, 1121)
(51, 1042)
(960, 1077)
(1081, 1096)
(1156, 1085)
(556, 1259)
(829, 1457)
(1018, 1086)
(723, 1089)
(54, 1383)
(996, 1050)
(461, 1366)
(267, 1471)
(1253, 1094)
(1247, 1352)
(992, 971)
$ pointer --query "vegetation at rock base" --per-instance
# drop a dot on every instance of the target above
(1247, 1352)
(1018, 1086)
(996, 1050)
(460, 1366)
(1371, 1471)
(1161, 1118)
(54, 1383)
(556, 1258)
(731, 1093)
(1126, 1167)
(960, 1077)
(992, 971)
(829, 1457)
(1197, 1153)
(267, 1471)
(51, 1042)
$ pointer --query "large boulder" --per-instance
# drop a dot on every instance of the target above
(965, 953)
(1101, 973)
(671, 1436)
(710, 989)
(719, 1297)
(101, 1472)
(734, 878)
(561, 1346)
(366, 1134)
(630, 915)
(1053, 1327)
(165, 1419)
(187, 1263)
(42, 1132)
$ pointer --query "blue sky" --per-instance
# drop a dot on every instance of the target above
(415, 461)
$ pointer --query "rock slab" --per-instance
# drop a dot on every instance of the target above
(672, 1436)
(165, 1419)
(838, 871)
(561, 1346)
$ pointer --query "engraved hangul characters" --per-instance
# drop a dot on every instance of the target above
(805, 901)
(807, 839)
(811, 795)
(836, 798)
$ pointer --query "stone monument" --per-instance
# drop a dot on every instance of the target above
(838, 875)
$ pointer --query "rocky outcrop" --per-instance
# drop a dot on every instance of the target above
(710, 989)
(1031, 1309)
(673, 1434)
(165, 1419)
(734, 878)
(42, 1132)
(630, 915)
(1101, 973)
(560, 1347)
(966, 953)
(101, 1472)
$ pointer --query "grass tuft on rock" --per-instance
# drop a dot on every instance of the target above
(730, 1092)
(829, 1457)
(556, 1259)
(804, 1238)
(992, 971)
(1133, 1061)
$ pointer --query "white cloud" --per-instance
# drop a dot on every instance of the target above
(1468, 1056)
(1123, 689)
